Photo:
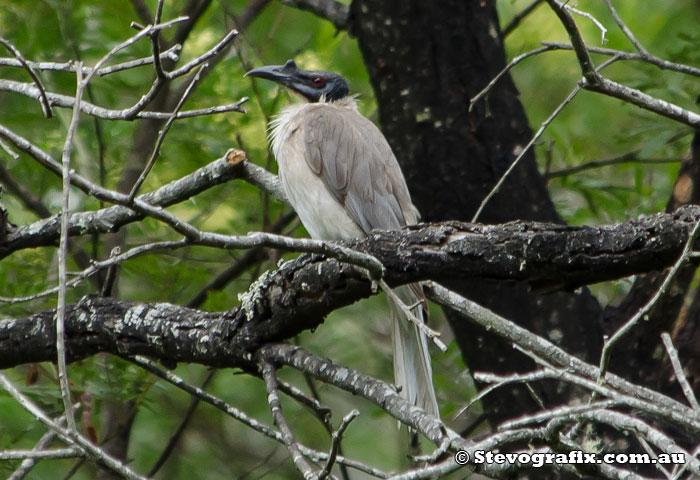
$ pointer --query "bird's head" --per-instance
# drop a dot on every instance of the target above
(312, 84)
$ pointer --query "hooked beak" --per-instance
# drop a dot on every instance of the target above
(271, 72)
(283, 74)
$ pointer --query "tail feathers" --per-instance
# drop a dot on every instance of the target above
(412, 371)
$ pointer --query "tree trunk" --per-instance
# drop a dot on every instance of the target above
(426, 60)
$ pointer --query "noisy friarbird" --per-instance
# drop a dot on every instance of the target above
(343, 180)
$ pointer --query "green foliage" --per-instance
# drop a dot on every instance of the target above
(591, 128)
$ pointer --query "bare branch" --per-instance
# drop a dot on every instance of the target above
(155, 42)
(135, 111)
(62, 257)
(628, 33)
(42, 444)
(186, 417)
(101, 265)
(627, 158)
(39, 454)
(335, 443)
(163, 132)
(42, 92)
(571, 368)
(532, 141)
(584, 59)
(242, 417)
(595, 82)
(215, 50)
(413, 318)
(71, 437)
(648, 58)
(322, 412)
(505, 70)
(270, 376)
(173, 54)
(678, 370)
(603, 30)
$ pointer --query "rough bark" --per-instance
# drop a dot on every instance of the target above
(299, 294)
(426, 60)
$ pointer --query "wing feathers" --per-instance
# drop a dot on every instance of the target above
(357, 166)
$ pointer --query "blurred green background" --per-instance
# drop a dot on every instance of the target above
(591, 128)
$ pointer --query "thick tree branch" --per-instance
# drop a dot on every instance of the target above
(545, 255)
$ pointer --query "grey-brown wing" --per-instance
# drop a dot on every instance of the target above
(358, 167)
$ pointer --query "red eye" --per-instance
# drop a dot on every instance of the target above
(318, 81)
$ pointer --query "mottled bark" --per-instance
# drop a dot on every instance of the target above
(300, 293)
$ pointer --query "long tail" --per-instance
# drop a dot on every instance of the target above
(412, 370)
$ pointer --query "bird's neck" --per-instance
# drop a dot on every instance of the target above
(349, 101)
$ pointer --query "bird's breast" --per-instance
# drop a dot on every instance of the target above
(323, 216)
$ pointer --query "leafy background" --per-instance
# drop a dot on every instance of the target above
(590, 128)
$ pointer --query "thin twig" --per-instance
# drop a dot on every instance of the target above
(174, 439)
(322, 412)
(650, 451)
(148, 30)
(29, 463)
(242, 417)
(678, 370)
(626, 158)
(505, 70)
(155, 42)
(39, 454)
(584, 59)
(62, 257)
(113, 260)
(590, 17)
(560, 412)
(215, 50)
(682, 470)
(71, 437)
(646, 308)
(435, 454)
(648, 58)
(497, 382)
(518, 18)
(270, 376)
(173, 53)
(131, 113)
(628, 33)
(532, 141)
(246, 261)
(161, 135)
(45, 106)
(336, 438)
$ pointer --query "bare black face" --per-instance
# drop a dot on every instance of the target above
(311, 84)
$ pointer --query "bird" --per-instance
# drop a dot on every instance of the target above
(343, 180)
